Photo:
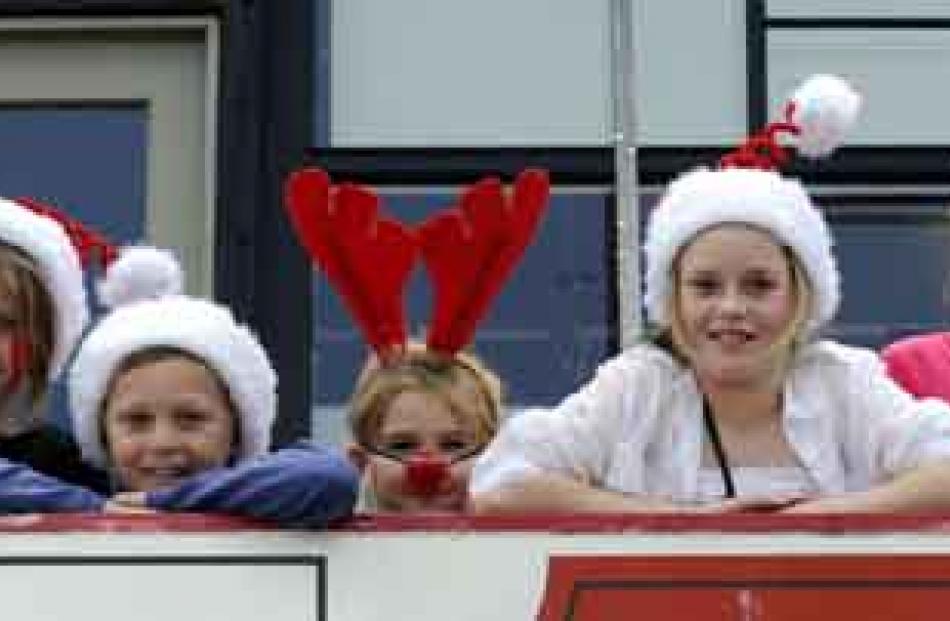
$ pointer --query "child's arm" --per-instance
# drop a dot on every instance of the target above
(24, 490)
(302, 486)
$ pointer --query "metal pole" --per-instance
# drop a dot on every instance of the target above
(627, 222)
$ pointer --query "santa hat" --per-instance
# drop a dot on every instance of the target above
(59, 247)
(143, 286)
(746, 189)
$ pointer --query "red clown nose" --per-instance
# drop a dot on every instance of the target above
(425, 473)
(19, 361)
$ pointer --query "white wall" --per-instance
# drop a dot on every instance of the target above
(691, 72)
(462, 73)
(538, 72)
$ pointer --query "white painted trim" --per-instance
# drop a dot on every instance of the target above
(459, 575)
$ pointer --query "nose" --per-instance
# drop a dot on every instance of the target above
(165, 436)
(733, 303)
(425, 471)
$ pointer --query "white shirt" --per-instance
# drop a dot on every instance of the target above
(761, 481)
(638, 426)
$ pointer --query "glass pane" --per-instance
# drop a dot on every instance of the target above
(87, 160)
(894, 264)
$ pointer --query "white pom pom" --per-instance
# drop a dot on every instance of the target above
(140, 273)
(825, 109)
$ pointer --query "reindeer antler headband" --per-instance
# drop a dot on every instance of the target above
(468, 250)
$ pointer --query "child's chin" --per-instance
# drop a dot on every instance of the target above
(437, 504)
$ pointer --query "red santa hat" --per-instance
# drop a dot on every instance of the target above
(746, 189)
(143, 286)
(59, 247)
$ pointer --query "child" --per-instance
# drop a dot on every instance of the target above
(921, 364)
(416, 426)
(176, 400)
(43, 312)
(735, 405)
(419, 413)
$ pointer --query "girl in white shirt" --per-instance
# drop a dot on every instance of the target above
(734, 404)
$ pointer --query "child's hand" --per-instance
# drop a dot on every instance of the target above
(127, 502)
(753, 504)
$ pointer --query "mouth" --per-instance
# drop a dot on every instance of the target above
(732, 337)
(166, 475)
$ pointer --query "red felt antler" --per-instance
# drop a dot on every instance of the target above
(469, 252)
(367, 258)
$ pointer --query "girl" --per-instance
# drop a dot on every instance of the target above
(43, 311)
(416, 426)
(921, 364)
(175, 400)
(735, 404)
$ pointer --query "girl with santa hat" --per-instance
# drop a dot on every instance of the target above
(175, 400)
(735, 403)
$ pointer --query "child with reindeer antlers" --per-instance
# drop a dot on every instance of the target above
(420, 413)
(735, 405)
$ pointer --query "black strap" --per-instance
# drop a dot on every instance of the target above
(719, 451)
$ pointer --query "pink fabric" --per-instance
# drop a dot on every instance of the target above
(921, 364)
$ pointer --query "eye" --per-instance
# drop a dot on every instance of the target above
(453, 446)
(134, 421)
(191, 419)
(760, 284)
(702, 285)
(399, 446)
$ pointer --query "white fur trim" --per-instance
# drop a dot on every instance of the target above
(825, 109)
(60, 270)
(202, 328)
(703, 198)
(140, 273)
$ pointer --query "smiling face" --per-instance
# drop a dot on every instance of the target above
(166, 420)
(416, 427)
(737, 305)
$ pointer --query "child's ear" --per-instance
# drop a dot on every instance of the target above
(357, 455)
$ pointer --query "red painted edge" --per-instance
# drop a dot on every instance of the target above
(546, 523)
(650, 523)
(127, 523)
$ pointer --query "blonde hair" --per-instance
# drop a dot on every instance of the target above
(430, 372)
(791, 338)
(34, 313)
